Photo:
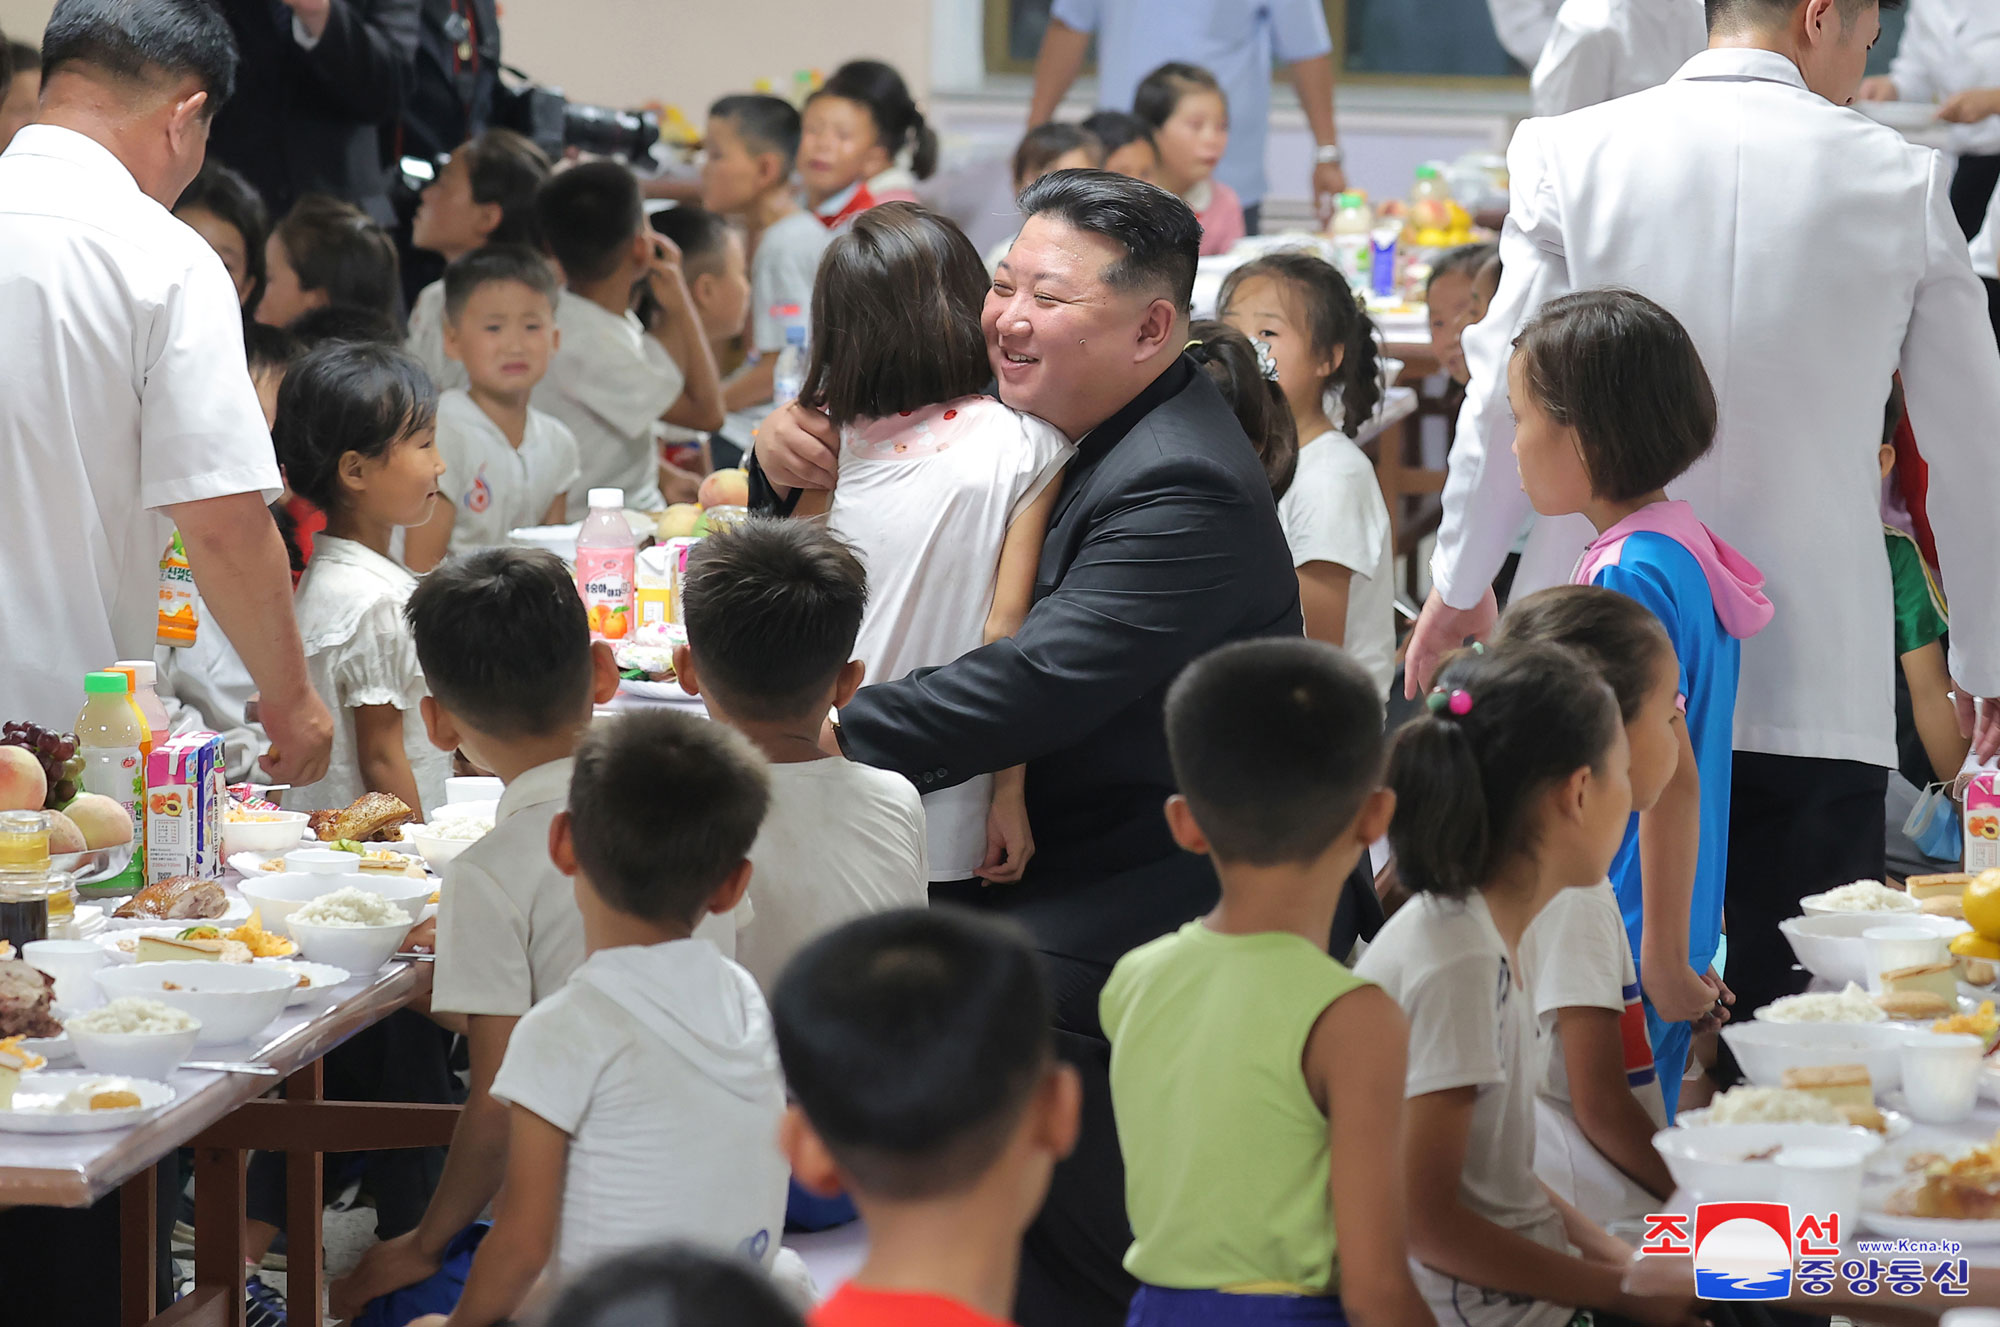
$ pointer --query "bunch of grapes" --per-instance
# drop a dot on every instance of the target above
(61, 765)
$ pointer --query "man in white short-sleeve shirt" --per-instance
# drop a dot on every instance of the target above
(126, 407)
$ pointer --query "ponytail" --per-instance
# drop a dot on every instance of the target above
(1335, 322)
(923, 147)
(899, 125)
(1230, 361)
(1500, 728)
(1359, 374)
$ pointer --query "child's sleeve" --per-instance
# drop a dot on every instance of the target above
(787, 265)
(1341, 520)
(1918, 621)
(1586, 947)
(1454, 1014)
(628, 387)
(552, 1064)
(568, 467)
(377, 665)
(482, 947)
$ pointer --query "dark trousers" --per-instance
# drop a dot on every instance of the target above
(1972, 189)
(1253, 217)
(1797, 826)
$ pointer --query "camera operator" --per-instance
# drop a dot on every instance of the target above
(319, 83)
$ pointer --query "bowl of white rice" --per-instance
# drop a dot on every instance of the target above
(1739, 1162)
(1860, 896)
(451, 832)
(1851, 1004)
(350, 928)
(133, 1036)
(1830, 946)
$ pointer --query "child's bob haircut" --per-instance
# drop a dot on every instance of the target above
(1276, 744)
(1615, 633)
(504, 642)
(346, 397)
(1624, 374)
(874, 357)
(507, 168)
(492, 263)
(337, 248)
(913, 1040)
(1160, 92)
(646, 863)
(588, 215)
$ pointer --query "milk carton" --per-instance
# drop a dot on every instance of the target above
(186, 792)
(1982, 822)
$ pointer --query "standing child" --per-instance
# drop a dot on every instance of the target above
(944, 492)
(857, 129)
(1921, 624)
(1256, 1081)
(326, 253)
(507, 464)
(357, 436)
(1612, 405)
(1129, 148)
(1189, 114)
(1322, 349)
(1511, 787)
(646, 1093)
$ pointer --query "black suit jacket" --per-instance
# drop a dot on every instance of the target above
(1164, 544)
(309, 121)
(450, 101)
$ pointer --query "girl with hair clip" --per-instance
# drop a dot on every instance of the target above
(1246, 375)
(1322, 349)
(1512, 785)
(853, 136)
(944, 492)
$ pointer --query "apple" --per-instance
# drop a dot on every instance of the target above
(23, 786)
(725, 488)
(677, 521)
(105, 823)
(64, 836)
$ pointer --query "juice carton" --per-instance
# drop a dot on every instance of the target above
(186, 793)
(658, 580)
(1982, 822)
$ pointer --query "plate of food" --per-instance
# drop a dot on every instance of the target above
(314, 978)
(39, 1052)
(369, 818)
(1777, 1105)
(182, 898)
(27, 1002)
(1952, 1197)
(74, 1102)
(369, 859)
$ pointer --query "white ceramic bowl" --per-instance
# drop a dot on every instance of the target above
(152, 1055)
(234, 1001)
(1829, 944)
(362, 950)
(272, 831)
(318, 861)
(1713, 1161)
(1814, 905)
(438, 851)
(1766, 1050)
(320, 978)
(277, 897)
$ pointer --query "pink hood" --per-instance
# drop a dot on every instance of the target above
(1734, 582)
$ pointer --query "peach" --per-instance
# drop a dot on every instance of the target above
(105, 822)
(725, 488)
(64, 836)
(677, 521)
(23, 786)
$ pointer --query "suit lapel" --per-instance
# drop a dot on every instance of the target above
(1099, 442)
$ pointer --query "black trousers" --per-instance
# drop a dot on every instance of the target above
(1253, 217)
(1972, 189)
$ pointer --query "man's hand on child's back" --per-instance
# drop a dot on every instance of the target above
(798, 447)
(385, 1268)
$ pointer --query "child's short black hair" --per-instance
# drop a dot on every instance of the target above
(1114, 129)
(1615, 633)
(765, 123)
(772, 610)
(1231, 362)
(588, 215)
(1160, 92)
(674, 1285)
(1621, 371)
(1050, 142)
(496, 262)
(1467, 260)
(873, 358)
(347, 323)
(1335, 323)
(270, 349)
(227, 195)
(663, 807)
(507, 168)
(913, 1040)
(337, 248)
(700, 235)
(504, 641)
(1276, 744)
(346, 397)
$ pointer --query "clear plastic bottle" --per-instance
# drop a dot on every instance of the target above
(1352, 220)
(109, 735)
(606, 556)
(1430, 209)
(143, 675)
(788, 375)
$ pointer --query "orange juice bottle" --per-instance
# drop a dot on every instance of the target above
(179, 620)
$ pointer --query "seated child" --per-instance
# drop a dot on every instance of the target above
(1921, 624)
(718, 279)
(328, 253)
(1127, 140)
(772, 608)
(224, 208)
(1485, 285)
(357, 437)
(1043, 150)
(611, 381)
(483, 194)
(925, 1085)
(1613, 405)
(1190, 118)
(1238, 369)
(675, 1283)
(1256, 1081)
(856, 129)
(507, 464)
(646, 1094)
(746, 175)
(1601, 1101)
(1449, 299)
(1511, 786)
(513, 676)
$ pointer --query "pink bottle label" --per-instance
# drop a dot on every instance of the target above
(604, 579)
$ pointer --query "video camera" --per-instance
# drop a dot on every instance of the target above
(555, 122)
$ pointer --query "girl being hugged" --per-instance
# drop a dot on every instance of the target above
(854, 134)
(357, 435)
(1321, 348)
(944, 492)
(1511, 787)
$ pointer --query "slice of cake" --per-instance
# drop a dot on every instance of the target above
(11, 1067)
(1950, 885)
(1839, 1085)
(165, 949)
(1914, 1005)
(1939, 979)
(1944, 905)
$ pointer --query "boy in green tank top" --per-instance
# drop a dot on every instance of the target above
(1257, 1083)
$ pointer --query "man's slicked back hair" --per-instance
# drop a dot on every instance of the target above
(144, 42)
(1161, 238)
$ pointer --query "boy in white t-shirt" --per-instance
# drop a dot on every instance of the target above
(646, 1093)
(507, 464)
(773, 609)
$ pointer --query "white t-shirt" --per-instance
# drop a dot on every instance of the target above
(1334, 512)
(1577, 955)
(658, 1061)
(426, 339)
(495, 486)
(1470, 1026)
(359, 652)
(123, 390)
(610, 382)
(841, 840)
(782, 272)
(926, 500)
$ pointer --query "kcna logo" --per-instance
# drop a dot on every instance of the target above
(1742, 1251)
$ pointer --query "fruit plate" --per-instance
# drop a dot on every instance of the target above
(41, 1090)
(232, 917)
(94, 867)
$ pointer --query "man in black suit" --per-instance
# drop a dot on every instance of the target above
(1164, 544)
(320, 80)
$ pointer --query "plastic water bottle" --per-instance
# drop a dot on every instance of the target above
(788, 375)
(1352, 220)
(109, 734)
(606, 556)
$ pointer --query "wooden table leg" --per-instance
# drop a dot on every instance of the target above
(138, 1235)
(305, 1209)
(219, 1200)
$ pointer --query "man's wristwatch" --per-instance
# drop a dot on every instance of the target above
(1329, 154)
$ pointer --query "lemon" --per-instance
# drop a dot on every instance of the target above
(1982, 904)
(1974, 945)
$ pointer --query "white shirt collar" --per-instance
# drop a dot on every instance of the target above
(1742, 62)
(52, 140)
(543, 783)
(347, 552)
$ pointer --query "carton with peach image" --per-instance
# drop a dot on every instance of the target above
(186, 794)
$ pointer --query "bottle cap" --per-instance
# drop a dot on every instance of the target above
(144, 673)
(1427, 172)
(1351, 198)
(607, 497)
(106, 684)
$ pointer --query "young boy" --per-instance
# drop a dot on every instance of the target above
(718, 277)
(645, 1093)
(1258, 1083)
(925, 1085)
(507, 464)
(483, 194)
(752, 142)
(513, 677)
(610, 380)
(772, 610)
